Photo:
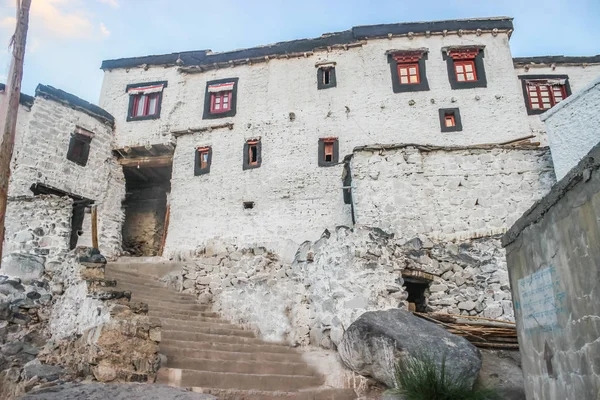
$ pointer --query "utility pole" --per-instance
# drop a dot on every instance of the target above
(9, 107)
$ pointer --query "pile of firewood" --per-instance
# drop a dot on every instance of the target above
(482, 332)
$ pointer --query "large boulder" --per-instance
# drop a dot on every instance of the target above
(28, 267)
(372, 345)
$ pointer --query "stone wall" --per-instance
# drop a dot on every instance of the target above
(574, 128)
(40, 156)
(553, 255)
(580, 76)
(345, 273)
(39, 226)
(446, 193)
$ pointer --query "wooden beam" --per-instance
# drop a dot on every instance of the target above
(9, 106)
(145, 162)
(95, 227)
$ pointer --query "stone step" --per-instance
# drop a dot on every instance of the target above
(232, 330)
(224, 380)
(307, 394)
(240, 367)
(166, 306)
(166, 299)
(168, 344)
(291, 357)
(191, 325)
(145, 268)
(210, 337)
(169, 320)
(180, 313)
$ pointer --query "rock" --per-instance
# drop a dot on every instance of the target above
(10, 349)
(236, 256)
(28, 267)
(42, 371)
(438, 288)
(374, 342)
(129, 391)
(502, 369)
(467, 305)
(205, 298)
(90, 257)
(105, 372)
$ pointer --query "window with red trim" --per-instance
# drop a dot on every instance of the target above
(543, 95)
(253, 153)
(408, 73)
(220, 102)
(145, 105)
(203, 163)
(449, 120)
(328, 149)
(465, 71)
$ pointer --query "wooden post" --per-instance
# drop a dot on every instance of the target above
(9, 107)
(95, 227)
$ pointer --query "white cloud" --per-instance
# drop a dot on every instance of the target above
(104, 30)
(61, 18)
(112, 3)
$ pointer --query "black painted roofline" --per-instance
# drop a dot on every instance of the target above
(77, 103)
(557, 60)
(357, 33)
(24, 99)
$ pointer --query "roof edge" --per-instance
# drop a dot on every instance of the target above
(558, 59)
(24, 99)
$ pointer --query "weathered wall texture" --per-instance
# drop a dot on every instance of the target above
(447, 193)
(553, 256)
(574, 128)
(579, 78)
(40, 156)
(39, 225)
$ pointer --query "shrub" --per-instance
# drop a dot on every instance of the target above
(419, 378)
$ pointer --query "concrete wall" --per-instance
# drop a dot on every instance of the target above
(40, 156)
(579, 77)
(295, 199)
(553, 256)
(574, 128)
(447, 193)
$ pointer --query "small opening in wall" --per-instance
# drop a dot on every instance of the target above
(328, 151)
(449, 120)
(253, 153)
(326, 76)
(416, 295)
(248, 205)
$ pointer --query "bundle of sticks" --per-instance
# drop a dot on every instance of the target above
(482, 332)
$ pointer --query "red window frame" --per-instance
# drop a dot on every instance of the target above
(218, 98)
(464, 73)
(538, 93)
(449, 118)
(203, 151)
(328, 150)
(146, 99)
(407, 68)
(252, 145)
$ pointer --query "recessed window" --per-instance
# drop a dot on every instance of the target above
(203, 160)
(465, 67)
(328, 152)
(145, 100)
(252, 154)
(220, 98)
(326, 77)
(450, 120)
(408, 70)
(248, 205)
(79, 149)
(543, 92)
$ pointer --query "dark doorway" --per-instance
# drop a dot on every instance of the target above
(145, 207)
(79, 206)
(416, 295)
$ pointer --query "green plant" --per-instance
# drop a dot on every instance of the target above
(420, 378)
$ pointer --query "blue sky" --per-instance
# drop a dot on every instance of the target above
(68, 39)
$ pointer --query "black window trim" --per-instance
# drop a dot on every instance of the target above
(321, 153)
(130, 107)
(398, 87)
(457, 121)
(525, 78)
(332, 78)
(197, 169)
(481, 81)
(246, 158)
(86, 141)
(233, 104)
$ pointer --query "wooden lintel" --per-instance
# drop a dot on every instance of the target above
(203, 129)
(162, 161)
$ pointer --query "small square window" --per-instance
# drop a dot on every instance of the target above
(145, 100)
(79, 149)
(252, 154)
(408, 74)
(465, 67)
(203, 160)
(328, 152)
(326, 77)
(220, 102)
(465, 71)
(408, 70)
(248, 205)
(450, 120)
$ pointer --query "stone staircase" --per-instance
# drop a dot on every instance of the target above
(211, 355)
